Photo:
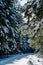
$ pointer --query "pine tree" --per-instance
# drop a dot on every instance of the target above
(9, 20)
(34, 15)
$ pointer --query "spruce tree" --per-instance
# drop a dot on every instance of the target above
(9, 20)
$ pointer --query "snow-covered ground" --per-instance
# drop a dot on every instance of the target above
(22, 59)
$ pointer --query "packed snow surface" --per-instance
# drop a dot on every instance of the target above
(22, 59)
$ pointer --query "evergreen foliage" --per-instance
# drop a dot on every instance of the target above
(34, 15)
(10, 37)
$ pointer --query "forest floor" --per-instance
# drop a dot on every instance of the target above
(22, 59)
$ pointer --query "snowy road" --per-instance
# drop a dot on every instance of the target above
(22, 59)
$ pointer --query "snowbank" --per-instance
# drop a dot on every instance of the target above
(22, 59)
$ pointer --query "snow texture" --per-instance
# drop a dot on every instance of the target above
(22, 59)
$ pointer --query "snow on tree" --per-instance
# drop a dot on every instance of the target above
(34, 15)
(10, 36)
(9, 18)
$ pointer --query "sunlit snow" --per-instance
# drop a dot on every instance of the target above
(22, 59)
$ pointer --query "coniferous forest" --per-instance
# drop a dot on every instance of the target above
(21, 27)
